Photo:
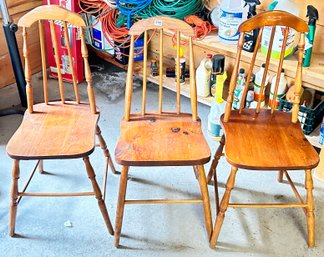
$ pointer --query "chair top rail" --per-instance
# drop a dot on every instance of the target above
(274, 18)
(51, 12)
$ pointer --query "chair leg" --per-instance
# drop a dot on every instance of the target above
(310, 208)
(216, 192)
(223, 207)
(105, 150)
(205, 198)
(14, 198)
(121, 204)
(195, 168)
(98, 194)
(41, 166)
(280, 176)
(215, 161)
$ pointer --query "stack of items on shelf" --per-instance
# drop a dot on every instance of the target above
(228, 15)
(109, 21)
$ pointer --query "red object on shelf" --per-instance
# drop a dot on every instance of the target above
(75, 42)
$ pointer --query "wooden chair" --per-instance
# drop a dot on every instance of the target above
(266, 139)
(160, 138)
(56, 129)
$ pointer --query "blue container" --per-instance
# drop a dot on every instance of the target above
(138, 49)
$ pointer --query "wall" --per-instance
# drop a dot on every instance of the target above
(17, 8)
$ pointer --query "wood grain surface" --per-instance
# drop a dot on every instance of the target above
(265, 141)
(161, 140)
(55, 130)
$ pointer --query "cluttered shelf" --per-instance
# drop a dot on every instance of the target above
(313, 76)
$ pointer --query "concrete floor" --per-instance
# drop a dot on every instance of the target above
(157, 230)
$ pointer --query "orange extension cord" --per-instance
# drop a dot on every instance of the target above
(113, 34)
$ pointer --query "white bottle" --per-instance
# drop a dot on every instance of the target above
(216, 111)
(203, 76)
(288, 6)
(232, 14)
(282, 88)
(257, 84)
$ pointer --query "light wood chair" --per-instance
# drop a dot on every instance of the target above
(266, 139)
(56, 129)
(160, 138)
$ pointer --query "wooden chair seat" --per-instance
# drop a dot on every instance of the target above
(264, 141)
(142, 139)
(46, 139)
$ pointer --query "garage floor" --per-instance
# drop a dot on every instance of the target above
(157, 230)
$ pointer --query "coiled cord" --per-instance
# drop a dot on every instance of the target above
(174, 8)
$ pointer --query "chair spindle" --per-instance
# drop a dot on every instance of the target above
(178, 71)
(29, 89)
(273, 31)
(193, 89)
(282, 56)
(233, 81)
(75, 86)
(161, 71)
(43, 55)
(129, 80)
(57, 60)
(298, 81)
(144, 74)
(255, 53)
(87, 73)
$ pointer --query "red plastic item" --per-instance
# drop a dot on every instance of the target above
(75, 42)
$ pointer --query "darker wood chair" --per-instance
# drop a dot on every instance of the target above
(160, 138)
(56, 129)
(266, 139)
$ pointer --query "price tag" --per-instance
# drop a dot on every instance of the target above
(158, 23)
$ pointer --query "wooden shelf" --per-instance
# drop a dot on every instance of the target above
(313, 76)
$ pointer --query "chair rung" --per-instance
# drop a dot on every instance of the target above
(57, 194)
(268, 205)
(159, 201)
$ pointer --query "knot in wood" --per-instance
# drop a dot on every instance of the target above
(175, 130)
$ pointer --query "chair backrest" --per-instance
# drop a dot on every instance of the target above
(269, 19)
(55, 14)
(159, 23)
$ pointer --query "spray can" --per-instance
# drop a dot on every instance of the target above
(312, 13)
(218, 76)
(251, 37)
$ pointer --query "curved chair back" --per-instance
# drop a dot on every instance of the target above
(269, 19)
(62, 19)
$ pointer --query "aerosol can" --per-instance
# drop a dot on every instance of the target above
(312, 13)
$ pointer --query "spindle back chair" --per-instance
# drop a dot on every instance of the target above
(159, 138)
(263, 139)
(159, 24)
(56, 129)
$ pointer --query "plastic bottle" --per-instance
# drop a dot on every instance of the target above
(288, 6)
(216, 110)
(232, 14)
(257, 83)
(203, 76)
(238, 92)
(282, 88)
